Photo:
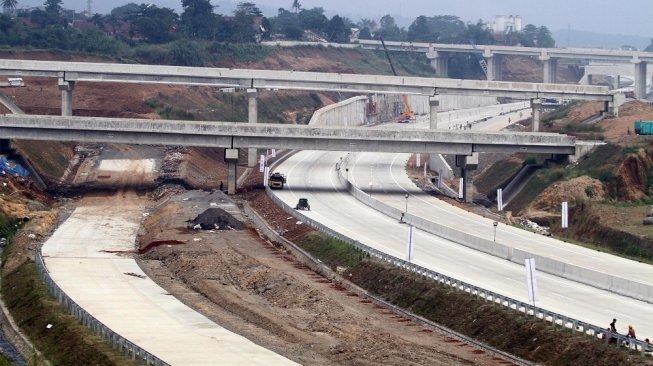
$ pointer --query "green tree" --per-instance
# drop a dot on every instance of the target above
(248, 9)
(156, 24)
(313, 19)
(529, 36)
(287, 23)
(296, 5)
(478, 33)
(53, 6)
(198, 19)
(9, 4)
(419, 30)
(370, 24)
(337, 31)
(388, 29)
(365, 34)
(544, 38)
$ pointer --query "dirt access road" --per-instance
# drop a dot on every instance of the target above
(243, 283)
(255, 289)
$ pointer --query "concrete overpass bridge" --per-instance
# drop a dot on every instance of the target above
(300, 137)
(438, 55)
(69, 73)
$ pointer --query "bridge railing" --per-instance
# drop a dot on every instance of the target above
(118, 342)
(554, 318)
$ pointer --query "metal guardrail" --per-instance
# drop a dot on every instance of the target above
(118, 342)
(574, 325)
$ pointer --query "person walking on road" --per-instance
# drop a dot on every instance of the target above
(613, 326)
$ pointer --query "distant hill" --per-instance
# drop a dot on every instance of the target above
(598, 40)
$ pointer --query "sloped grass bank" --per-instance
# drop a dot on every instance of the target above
(507, 330)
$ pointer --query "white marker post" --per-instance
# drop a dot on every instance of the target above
(266, 176)
(565, 215)
(410, 243)
(499, 199)
(531, 280)
(261, 164)
(460, 189)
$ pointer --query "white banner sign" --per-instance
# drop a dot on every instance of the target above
(531, 280)
(565, 215)
(499, 199)
(410, 243)
(460, 189)
(418, 160)
(426, 167)
(261, 164)
(274, 153)
(266, 176)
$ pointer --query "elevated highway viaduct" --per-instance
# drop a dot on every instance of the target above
(438, 54)
(232, 136)
(68, 74)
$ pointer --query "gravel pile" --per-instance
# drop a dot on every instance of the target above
(215, 219)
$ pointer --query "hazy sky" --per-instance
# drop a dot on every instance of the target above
(630, 17)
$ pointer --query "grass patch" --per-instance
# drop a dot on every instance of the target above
(67, 342)
(535, 186)
(331, 251)
(50, 158)
(560, 113)
(497, 176)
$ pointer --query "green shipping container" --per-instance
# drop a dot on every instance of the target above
(644, 127)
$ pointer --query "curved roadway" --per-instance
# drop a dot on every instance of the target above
(312, 175)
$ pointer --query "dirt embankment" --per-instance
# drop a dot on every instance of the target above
(256, 289)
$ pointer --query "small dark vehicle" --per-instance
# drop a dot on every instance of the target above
(303, 204)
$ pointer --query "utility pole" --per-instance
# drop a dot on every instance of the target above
(89, 7)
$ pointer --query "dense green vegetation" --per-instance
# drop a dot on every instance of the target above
(66, 342)
(201, 36)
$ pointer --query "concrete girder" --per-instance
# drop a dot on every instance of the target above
(243, 135)
(264, 79)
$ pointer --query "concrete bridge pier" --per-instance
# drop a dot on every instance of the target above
(231, 157)
(640, 78)
(439, 62)
(434, 103)
(467, 163)
(252, 114)
(536, 106)
(66, 88)
(494, 70)
(550, 69)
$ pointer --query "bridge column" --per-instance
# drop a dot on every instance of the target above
(550, 68)
(467, 163)
(66, 88)
(252, 113)
(640, 78)
(231, 157)
(494, 70)
(536, 106)
(612, 107)
(439, 62)
(434, 103)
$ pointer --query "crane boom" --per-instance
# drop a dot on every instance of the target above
(408, 113)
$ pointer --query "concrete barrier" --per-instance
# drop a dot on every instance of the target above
(604, 281)
(350, 112)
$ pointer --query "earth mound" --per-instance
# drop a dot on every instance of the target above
(215, 219)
